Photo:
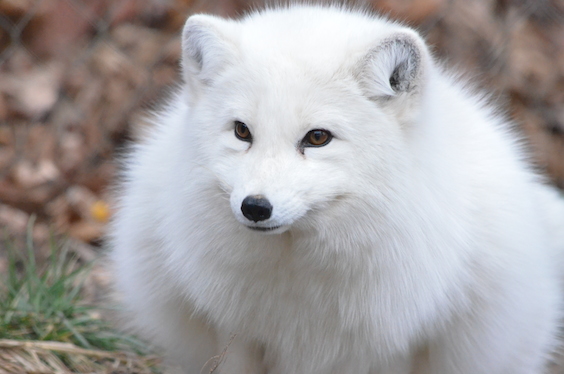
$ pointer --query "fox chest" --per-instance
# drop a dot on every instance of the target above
(301, 311)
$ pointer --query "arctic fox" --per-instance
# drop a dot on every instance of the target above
(320, 197)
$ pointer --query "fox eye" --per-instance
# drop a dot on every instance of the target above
(317, 138)
(242, 132)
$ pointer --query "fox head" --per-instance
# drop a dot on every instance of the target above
(294, 117)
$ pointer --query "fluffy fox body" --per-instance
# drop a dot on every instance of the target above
(321, 198)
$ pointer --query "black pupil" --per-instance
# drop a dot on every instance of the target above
(317, 136)
(242, 130)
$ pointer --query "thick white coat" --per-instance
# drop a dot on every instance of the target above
(418, 240)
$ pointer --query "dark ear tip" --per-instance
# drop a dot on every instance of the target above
(405, 45)
(196, 22)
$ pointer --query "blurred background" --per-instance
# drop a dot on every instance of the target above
(76, 77)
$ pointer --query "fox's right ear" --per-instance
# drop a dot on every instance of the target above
(396, 66)
(206, 49)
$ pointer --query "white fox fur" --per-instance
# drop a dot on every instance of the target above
(417, 240)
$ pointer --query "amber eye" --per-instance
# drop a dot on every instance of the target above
(242, 132)
(317, 138)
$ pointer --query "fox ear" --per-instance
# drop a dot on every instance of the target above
(395, 66)
(205, 49)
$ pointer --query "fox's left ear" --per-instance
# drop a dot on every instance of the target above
(395, 66)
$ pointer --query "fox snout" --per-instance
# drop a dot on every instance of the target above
(256, 208)
(268, 204)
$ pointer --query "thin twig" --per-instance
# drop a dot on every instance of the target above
(218, 359)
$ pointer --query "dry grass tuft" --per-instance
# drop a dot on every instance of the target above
(44, 357)
(47, 326)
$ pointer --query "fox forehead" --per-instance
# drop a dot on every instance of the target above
(316, 36)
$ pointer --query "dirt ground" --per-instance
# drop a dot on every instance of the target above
(77, 77)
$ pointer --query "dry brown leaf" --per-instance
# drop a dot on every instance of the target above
(33, 93)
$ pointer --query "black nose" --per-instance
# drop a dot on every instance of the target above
(256, 208)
